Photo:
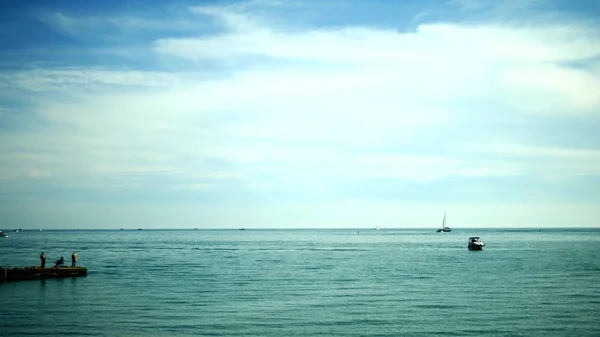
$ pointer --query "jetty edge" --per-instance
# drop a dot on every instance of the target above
(39, 273)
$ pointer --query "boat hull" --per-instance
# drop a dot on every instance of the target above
(39, 273)
(475, 247)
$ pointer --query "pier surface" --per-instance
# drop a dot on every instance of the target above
(38, 273)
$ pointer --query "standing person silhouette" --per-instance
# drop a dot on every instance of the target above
(73, 260)
(43, 259)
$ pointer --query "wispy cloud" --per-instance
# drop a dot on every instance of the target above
(122, 26)
(236, 102)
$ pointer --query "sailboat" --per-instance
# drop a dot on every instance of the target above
(444, 228)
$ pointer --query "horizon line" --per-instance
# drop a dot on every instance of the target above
(287, 228)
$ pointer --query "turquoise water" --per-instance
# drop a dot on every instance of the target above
(307, 283)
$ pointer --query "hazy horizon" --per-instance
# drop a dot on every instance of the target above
(291, 114)
(362, 229)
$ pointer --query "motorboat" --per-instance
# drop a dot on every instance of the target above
(475, 243)
(3, 234)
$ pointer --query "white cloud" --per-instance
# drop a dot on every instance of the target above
(549, 163)
(320, 107)
(387, 87)
(79, 79)
(94, 26)
(440, 62)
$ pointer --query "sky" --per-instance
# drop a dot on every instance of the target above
(299, 114)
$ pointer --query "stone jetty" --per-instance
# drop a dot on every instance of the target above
(39, 273)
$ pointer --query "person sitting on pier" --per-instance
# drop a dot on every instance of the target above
(73, 260)
(43, 259)
(60, 262)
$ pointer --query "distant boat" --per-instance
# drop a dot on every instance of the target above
(475, 243)
(377, 228)
(444, 229)
(3, 234)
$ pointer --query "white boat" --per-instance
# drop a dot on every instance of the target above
(3, 234)
(444, 229)
(475, 243)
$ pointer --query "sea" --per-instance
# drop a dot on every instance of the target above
(306, 282)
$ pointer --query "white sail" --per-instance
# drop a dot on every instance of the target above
(444, 221)
(444, 228)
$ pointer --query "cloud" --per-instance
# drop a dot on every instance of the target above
(256, 108)
(440, 62)
(551, 163)
(374, 88)
(121, 26)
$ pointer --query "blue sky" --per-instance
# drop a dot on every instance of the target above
(261, 114)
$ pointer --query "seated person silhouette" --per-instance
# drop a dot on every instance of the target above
(60, 262)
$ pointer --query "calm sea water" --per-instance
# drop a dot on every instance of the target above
(307, 283)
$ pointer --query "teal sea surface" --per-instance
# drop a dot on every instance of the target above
(391, 282)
